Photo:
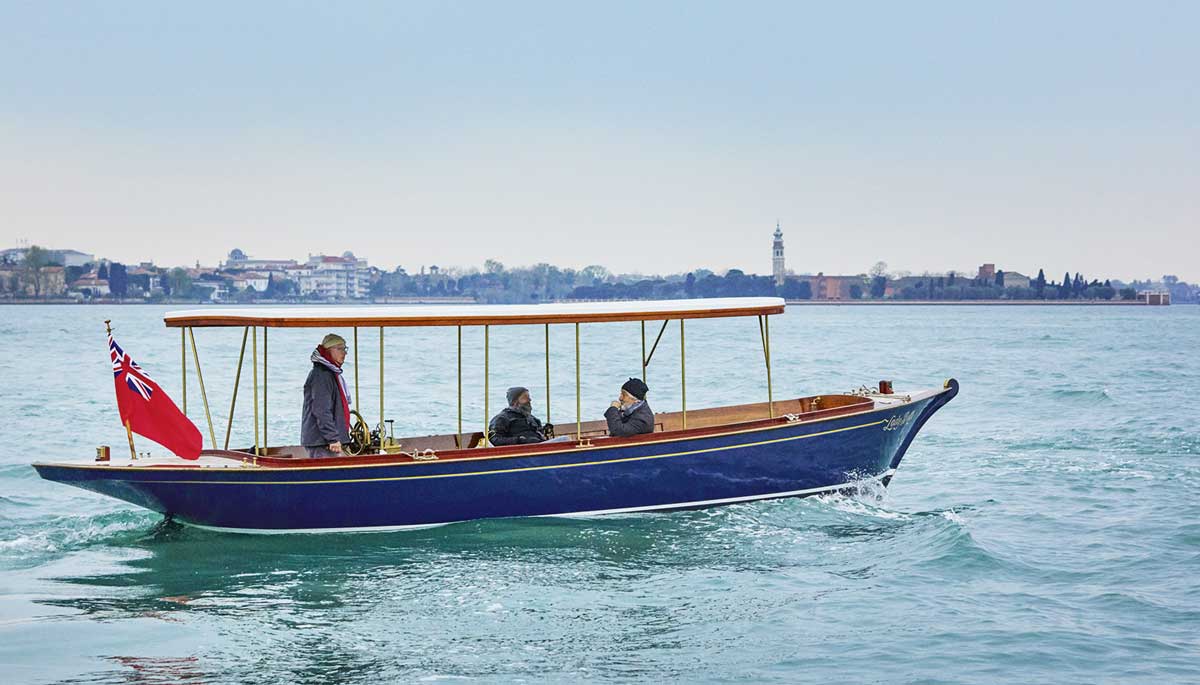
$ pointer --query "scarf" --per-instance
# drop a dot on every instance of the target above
(321, 356)
(631, 408)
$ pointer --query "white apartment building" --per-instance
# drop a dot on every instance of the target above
(334, 278)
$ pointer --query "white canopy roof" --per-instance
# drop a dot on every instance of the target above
(475, 315)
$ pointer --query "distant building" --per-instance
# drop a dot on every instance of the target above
(71, 257)
(15, 280)
(835, 287)
(91, 286)
(1012, 279)
(218, 287)
(16, 255)
(54, 281)
(777, 265)
(1155, 297)
(251, 279)
(987, 273)
(238, 261)
(145, 277)
(335, 278)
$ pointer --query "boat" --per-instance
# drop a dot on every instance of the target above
(695, 458)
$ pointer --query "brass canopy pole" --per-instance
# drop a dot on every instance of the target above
(547, 373)
(682, 374)
(643, 350)
(767, 353)
(460, 385)
(356, 404)
(212, 435)
(237, 380)
(254, 363)
(183, 364)
(266, 444)
(486, 387)
(381, 380)
(578, 395)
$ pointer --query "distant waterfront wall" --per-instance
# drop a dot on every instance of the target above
(1038, 303)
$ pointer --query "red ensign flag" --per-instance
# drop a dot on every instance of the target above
(148, 410)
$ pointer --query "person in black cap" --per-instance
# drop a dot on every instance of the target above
(516, 424)
(630, 415)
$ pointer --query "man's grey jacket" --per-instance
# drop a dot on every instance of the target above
(323, 421)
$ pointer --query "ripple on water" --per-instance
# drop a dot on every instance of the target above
(1043, 524)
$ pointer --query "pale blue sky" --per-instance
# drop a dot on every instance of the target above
(650, 137)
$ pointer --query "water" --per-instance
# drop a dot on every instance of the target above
(1044, 528)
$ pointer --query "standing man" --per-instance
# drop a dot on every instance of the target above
(630, 415)
(516, 424)
(325, 423)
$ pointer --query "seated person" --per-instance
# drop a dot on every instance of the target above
(516, 424)
(630, 415)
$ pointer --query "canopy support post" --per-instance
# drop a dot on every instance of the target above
(212, 435)
(486, 384)
(578, 391)
(357, 406)
(764, 332)
(643, 350)
(682, 374)
(458, 438)
(265, 420)
(381, 382)
(254, 363)
(237, 381)
(547, 373)
(183, 364)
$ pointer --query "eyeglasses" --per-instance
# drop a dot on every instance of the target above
(343, 348)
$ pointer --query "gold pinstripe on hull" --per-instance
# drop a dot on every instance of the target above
(519, 469)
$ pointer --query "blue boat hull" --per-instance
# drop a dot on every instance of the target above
(782, 460)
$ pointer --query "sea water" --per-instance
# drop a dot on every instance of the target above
(1044, 527)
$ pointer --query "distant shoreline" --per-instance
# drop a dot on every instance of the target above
(806, 303)
(264, 303)
(1036, 303)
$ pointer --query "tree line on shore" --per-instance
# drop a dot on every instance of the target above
(495, 283)
(543, 282)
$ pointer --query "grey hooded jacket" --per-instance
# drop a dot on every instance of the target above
(636, 420)
(322, 421)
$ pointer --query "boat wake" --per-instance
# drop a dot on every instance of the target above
(64, 534)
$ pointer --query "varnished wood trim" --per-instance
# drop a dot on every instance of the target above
(213, 321)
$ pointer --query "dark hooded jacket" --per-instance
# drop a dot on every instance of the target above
(636, 420)
(514, 427)
(323, 421)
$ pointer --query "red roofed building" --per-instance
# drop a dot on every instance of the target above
(335, 278)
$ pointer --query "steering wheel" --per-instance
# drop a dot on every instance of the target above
(360, 435)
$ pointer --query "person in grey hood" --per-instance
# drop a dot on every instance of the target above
(516, 424)
(325, 419)
(630, 415)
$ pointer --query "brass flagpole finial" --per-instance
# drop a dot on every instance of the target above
(107, 327)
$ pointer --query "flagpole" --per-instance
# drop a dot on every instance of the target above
(129, 434)
(128, 431)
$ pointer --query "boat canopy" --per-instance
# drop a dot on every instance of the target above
(476, 315)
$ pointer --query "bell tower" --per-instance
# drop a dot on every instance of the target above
(777, 256)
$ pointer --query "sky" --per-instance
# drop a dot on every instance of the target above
(647, 137)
